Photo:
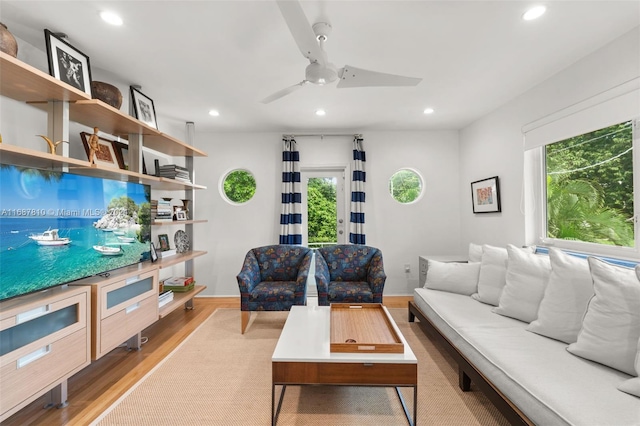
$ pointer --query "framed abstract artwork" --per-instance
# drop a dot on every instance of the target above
(485, 195)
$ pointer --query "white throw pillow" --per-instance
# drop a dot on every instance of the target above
(611, 326)
(632, 386)
(526, 280)
(454, 277)
(475, 252)
(565, 300)
(493, 269)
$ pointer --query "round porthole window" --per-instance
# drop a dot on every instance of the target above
(405, 186)
(239, 186)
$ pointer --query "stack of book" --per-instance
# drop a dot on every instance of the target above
(163, 211)
(154, 209)
(172, 171)
(179, 284)
(165, 297)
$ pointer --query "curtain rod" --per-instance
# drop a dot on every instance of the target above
(357, 135)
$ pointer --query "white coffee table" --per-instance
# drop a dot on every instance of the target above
(302, 357)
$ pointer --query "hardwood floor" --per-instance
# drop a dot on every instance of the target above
(95, 388)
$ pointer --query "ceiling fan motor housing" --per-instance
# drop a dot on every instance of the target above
(319, 74)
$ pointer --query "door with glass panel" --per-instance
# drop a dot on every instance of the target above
(323, 201)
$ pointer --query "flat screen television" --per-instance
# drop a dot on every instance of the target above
(57, 227)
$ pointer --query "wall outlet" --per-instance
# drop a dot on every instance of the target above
(407, 267)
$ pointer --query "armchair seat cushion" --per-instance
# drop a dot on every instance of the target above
(349, 292)
(273, 291)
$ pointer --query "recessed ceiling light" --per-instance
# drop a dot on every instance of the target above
(534, 13)
(214, 113)
(428, 110)
(111, 18)
(321, 112)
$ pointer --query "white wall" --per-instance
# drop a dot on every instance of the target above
(493, 145)
(402, 232)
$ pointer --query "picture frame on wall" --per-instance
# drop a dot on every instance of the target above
(105, 155)
(485, 195)
(143, 108)
(164, 242)
(68, 64)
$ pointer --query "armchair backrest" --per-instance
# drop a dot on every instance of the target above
(280, 262)
(348, 262)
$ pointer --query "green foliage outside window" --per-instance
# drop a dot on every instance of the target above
(405, 186)
(590, 187)
(239, 186)
(321, 211)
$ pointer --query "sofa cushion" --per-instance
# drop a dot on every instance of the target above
(475, 252)
(493, 270)
(565, 300)
(526, 280)
(632, 386)
(550, 386)
(611, 325)
(454, 277)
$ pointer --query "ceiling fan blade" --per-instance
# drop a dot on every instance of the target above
(301, 31)
(357, 77)
(284, 92)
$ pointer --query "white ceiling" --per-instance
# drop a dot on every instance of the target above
(193, 56)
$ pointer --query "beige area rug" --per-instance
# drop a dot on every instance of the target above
(218, 376)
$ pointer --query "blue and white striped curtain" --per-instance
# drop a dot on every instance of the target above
(291, 216)
(356, 223)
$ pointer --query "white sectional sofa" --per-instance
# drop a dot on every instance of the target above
(496, 314)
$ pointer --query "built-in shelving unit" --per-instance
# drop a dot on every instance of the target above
(180, 299)
(179, 258)
(110, 321)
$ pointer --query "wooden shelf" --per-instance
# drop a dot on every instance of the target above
(179, 258)
(169, 184)
(180, 299)
(177, 222)
(25, 83)
(25, 157)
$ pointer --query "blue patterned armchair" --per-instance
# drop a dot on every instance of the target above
(273, 278)
(349, 274)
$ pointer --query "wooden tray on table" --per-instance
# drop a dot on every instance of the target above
(363, 328)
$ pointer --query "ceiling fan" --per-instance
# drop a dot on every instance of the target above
(320, 71)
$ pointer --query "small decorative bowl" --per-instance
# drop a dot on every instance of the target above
(107, 93)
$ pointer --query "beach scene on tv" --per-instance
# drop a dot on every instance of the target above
(59, 227)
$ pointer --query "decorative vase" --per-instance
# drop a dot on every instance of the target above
(107, 93)
(185, 203)
(8, 43)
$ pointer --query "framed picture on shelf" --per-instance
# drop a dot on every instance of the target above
(105, 153)
(485, 195)
(122, 154)
(181, 215)
(164, 242)
(68, 64)
(143, 107)
(154, 254)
